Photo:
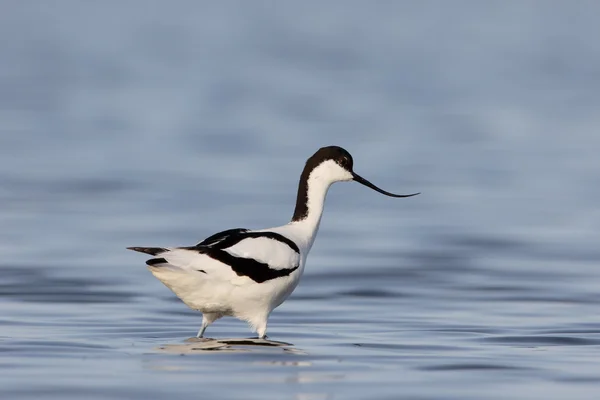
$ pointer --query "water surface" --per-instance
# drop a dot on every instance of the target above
(147, 123)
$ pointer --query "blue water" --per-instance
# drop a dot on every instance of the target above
(160, 123)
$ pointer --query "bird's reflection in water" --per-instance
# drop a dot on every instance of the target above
(240, 345)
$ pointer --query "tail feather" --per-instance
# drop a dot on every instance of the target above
(149, 250)
(155, 262)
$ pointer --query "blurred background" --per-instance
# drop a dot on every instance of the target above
(149, 123)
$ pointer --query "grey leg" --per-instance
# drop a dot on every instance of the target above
(202, 329)
(207, 319)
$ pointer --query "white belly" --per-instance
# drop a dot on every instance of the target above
(238, 297)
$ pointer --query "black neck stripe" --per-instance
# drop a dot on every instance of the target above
(255, 270)
(301, 210)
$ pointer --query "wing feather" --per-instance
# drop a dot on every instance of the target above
(231, 255)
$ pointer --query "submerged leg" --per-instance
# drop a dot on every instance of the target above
(207, 319)
(202, 329)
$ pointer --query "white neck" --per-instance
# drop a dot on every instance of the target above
(309, 226)
(312, 190)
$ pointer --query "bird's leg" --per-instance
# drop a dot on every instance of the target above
(262, 330)
(202, 329)
(258, 324)
(207, 319)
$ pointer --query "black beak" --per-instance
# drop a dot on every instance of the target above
(365, 182)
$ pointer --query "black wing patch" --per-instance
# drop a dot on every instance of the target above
(231, 237)
(155, 261)
(149, 250)
(214, 246)
(255, 270)
(218, 237)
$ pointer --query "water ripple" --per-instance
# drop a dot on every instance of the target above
(539, 340)
(35, 284)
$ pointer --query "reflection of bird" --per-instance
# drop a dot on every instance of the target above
(198, 346)
(247, 273)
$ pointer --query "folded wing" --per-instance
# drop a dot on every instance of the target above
(259, 256)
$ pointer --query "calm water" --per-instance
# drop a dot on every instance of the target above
(156, 123)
